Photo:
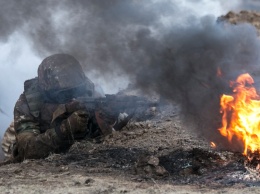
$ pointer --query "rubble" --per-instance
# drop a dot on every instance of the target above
(149, 165)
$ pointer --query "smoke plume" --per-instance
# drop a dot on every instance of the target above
(170, 47)
(250, 5)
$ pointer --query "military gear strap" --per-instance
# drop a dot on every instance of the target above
(33, 96)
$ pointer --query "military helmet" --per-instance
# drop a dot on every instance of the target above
(61, 78)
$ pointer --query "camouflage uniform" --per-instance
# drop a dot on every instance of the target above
(8, 141)
(36, 136)
(46, 119)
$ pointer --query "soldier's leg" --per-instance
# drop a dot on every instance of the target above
(8, 141)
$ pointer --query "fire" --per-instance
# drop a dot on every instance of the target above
(241, 114)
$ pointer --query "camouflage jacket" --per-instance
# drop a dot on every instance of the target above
(34, 124)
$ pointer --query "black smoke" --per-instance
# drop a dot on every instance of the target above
(159, 46)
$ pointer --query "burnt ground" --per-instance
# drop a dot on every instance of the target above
(159, 154)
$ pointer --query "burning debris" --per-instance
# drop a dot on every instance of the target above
(253, 161)
(241, 121)
(241, 114)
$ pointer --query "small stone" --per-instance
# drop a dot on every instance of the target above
(148, 169)
(64, 168)
(89, 181)
(129, 133)
(153, 161)
(77, 183)
(18, 171)
(137, 124)
(160, 171)
(186, 172)
(26, 161)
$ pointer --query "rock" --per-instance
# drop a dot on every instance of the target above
(148, 169)
(153, 161)
(64, 169)
(149, 165)
(160, 171)
(18, 171)
(137, 124)
(129, 133)
(77, 183)
(186, 171)
(89, 181)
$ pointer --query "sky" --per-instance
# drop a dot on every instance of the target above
(24, 42)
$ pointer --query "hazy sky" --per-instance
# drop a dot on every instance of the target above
(19, 60)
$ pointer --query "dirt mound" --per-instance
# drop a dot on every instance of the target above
(251, 17)
(158, 155)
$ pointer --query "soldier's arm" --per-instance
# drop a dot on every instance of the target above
(31, 143)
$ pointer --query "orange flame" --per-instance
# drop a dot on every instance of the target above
(241, 114)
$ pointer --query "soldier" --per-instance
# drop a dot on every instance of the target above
(47, 118)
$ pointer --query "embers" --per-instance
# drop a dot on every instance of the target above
(253, 161)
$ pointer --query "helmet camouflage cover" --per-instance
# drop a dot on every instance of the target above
(61, 77)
